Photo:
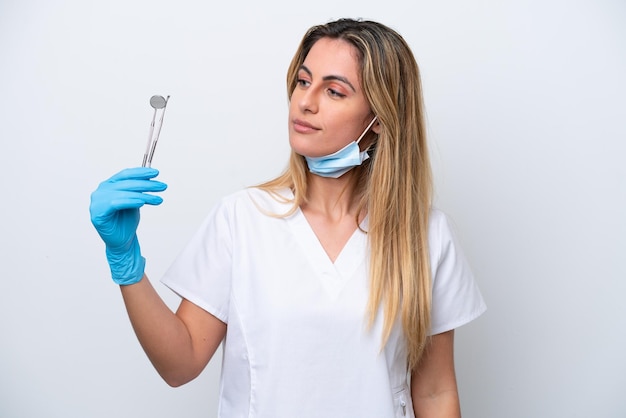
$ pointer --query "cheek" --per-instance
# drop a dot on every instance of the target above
(343, 129)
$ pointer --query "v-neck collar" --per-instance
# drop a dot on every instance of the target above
(333, 276)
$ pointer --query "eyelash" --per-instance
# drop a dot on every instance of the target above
(301, 82)
(334, 93)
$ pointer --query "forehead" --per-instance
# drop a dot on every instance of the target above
(333, 57)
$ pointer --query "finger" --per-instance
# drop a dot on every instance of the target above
(135, 173)
(133, 203)
(105, 203)
(135, 185)
(132, 196)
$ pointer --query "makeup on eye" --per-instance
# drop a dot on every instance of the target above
(303, 83)
(305, 75)
(335, 93)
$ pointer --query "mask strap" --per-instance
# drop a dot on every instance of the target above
(366, 129)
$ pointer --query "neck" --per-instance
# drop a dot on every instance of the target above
(333, 198)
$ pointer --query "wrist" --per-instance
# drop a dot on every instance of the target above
(127, 265)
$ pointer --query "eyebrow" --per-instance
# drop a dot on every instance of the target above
(330, 77)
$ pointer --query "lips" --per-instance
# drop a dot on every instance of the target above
(303, 127)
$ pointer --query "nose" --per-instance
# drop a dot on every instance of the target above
(307, 100)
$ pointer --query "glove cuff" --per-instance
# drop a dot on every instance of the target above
(127, 267)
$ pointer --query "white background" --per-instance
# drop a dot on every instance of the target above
(526, 113)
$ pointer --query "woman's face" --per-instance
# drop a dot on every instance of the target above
(327, 109)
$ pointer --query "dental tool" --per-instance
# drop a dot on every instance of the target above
(158, 103)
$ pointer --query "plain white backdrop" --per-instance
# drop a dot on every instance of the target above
(526, 116)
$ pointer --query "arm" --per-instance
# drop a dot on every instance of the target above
(433, 382)
(180, 344)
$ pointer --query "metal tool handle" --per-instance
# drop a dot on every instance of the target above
(159, 104)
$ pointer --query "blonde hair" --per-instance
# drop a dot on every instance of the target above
(394, 185)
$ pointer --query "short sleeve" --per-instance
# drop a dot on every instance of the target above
(202, 272)
(456, 298)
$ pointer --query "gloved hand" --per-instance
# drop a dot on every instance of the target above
(114, 213)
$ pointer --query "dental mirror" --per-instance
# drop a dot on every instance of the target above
(158, 103)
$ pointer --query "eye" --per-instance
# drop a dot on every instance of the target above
(302, 82)
(335, 93)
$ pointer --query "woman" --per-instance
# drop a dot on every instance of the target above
(336, 287)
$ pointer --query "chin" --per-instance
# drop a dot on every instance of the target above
(300, 146)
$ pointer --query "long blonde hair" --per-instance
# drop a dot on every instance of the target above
(394, 186)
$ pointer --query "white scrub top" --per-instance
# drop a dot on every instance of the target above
(297, 342)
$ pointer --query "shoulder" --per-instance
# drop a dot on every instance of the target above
(438, 224)
(256, 200)
(441, 234)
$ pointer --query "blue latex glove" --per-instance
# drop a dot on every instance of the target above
(114, 213)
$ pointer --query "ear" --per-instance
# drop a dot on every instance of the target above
(376, 127)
